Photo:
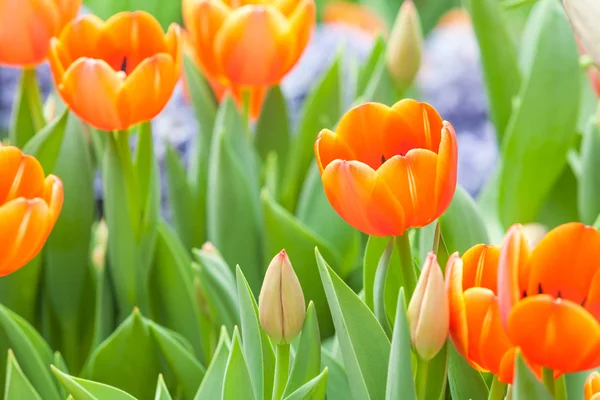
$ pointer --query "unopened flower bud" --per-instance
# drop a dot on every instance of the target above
(281, 305)
(404, 46)
(584, 16)
(100, 244)
(591, 389)
(209, 248)
(428, 312)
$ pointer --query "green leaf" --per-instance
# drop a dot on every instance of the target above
(20, 290)
(212, 384)
(284, 231)
(437, 374)
(257, 345)
(133, 342)
(368, 68)
(538, 137)
(338, 387)
(27, 117)
(589, 182)
(175, 309)
(400, 381)
(165, 12)
(46, 144)
(32, 351)
(560, 206)
(315, 211)
(273, 127)
(307, 363)
(526, 386)
(461, 226)
(162, 393)
(82, 389)
(187, 370)
(237, 384)
(575, 383)
(365, 346)
(375, 247)
(321, 110)
(465, 381)
(312, 390)
(381, 86)
(234, 222)
(17, 384)
(498, 59)
(104, 305)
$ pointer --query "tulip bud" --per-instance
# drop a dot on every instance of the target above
(209, 248)
(404, 46)
(534, 232)
(591, 389)
(428, 311)
(281, 305)
(584, 16)
(100, 243)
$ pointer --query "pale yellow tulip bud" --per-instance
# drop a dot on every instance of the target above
(281, 305)
(428, 311)
(404, 46)
(584, 16)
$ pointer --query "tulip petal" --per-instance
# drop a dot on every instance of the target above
(446, 174)
(478, 303)
(59, 59)
(302, 23)
(493, 343)
(513, 272)
(68, 9)
(257, 98)
(53, 196)
(128, 38)
(459, 332)
(555, 333)
(174, 42)
(329, 147)
(359, 197)
(148, 88)
(565, 262)
(10, 161)
(28, 180)
(80, 38)
(203, 20)
(411, 179)
(592, 303)
(481, 267)
(90, 89)
(254, 46)
(421, 127)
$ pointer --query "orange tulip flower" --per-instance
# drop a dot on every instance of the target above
(26, 27)
(387, 169)
(29, 207)
(549, 297)
(356, 15)
(475, 327)
(591, 388)
(117, 73)
(247, 45)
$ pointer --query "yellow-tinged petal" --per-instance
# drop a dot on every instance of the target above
(446, 174)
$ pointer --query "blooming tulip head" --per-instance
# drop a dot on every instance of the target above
(247, 45)
(27, 27)
(591, 389)
(475, 327)
(281, 305)
(549, 297)
(29, 206)
(387, 169)
(428, 311)
(117, 73)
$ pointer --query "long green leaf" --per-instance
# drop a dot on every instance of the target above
(212, 384)
(162, 393)
(17, 384)
(45, 145)
(365, 346)
(589, 182)
(465, 381)
(237, 384)
(27, 117)
(314, 389)
(273, 127)
(338, 387)
(82, 389)
(375, 247)
(526, 386)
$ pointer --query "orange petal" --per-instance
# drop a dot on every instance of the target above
(512, 271)
(203, 20)
(80, 38)
(10, 161)
(254, 46)
(68, 10)
(148, 88)
(421, 127)
(257, 98)
(53, 196)
(478, 303)
(481, 267)
(411, 179)
(28, 181)
(354, 14)
(128, 38)
(23, 228)
(447, 165)
(329, 147)
(361, 199)
(592, 304)
(565, 262)
(174, 42)
(90, 89)
(459, 332)
(493, 343)
(507, 366)
(302, 23)
(592, 385)
(555, 333)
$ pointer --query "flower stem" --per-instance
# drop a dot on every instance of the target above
(409, 277)
(548, 379)
(27, 115)
(497, 390)
(421, 378)
(560, 388)
(282, 367)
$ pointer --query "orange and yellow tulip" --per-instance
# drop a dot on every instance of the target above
(549, 297)
(591, 389)
(29, 206)
(247, 45)
(387, 169)
(117, 73)
(26, 27)
(475, 327)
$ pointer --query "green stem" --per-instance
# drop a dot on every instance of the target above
(246, 112)
(497, 390)
(34, 98)
(409, 277)
(282, 367)
(121, 140)
(548, 379)
(436, 238)
(421, 379)
(27, 115)
(560, 388)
